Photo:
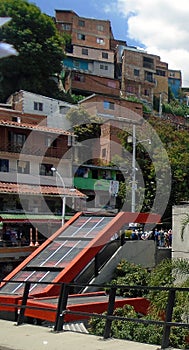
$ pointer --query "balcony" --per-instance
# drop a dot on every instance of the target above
(150, 80)
(36, 150)
(91, 184)
(148, 65)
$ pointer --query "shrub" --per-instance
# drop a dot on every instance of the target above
(164, 274)
(129, 274)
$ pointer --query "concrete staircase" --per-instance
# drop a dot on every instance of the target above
(78, 327)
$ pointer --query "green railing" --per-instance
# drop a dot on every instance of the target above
(91, 184)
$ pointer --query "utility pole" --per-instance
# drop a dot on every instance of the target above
(133, 199)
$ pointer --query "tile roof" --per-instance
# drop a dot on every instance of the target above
(37, 127)
(25, 217)
(16, 188)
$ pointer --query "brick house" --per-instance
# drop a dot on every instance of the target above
(89, 62)
(115, 113)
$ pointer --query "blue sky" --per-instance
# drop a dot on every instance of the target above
(161, 27)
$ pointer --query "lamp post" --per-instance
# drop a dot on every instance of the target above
(134, 184)
(63, 196)
(133, 198)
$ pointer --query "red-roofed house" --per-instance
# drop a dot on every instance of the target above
(30, 192)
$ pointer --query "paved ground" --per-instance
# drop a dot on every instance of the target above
(31, 337)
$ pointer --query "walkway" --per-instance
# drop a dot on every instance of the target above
(30, 337)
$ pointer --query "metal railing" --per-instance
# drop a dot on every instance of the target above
(62, 310)
(37, 150)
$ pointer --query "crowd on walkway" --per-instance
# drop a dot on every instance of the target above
(162, 238)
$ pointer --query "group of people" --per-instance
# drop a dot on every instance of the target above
(162, 238)
(12, 238)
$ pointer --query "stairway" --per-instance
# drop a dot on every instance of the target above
(78, 327)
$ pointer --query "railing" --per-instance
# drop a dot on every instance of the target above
(54, 152)
(148, 65)
(62, 310)
(92, 184)
(150, 80)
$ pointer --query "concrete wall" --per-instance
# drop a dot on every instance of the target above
(93, 54)
(143, 253)
(54, 110)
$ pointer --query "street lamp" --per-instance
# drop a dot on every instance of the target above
(63, 196)
(134, 184)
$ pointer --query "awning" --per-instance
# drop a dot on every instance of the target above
(26, 218)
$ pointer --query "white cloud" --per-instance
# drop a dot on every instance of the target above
(162, 27)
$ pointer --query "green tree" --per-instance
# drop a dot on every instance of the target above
(85, 126)
(40, 48)
(176, 143)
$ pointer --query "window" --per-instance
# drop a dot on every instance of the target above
(66, 26)
(172, 74)
(149, 77)
(23, 167)
(78, 77)
(94, 173)
(100, 41)
(84, 51)
(45, 169)
(108, 105)
(160, 72)
(38, 106)
(50, 142)
(146, 92)
(80, 36)
(81, 23)
(104, 55)
(100, 27)
(136, 72)
(148, 62)
(4, 165)
(76, 64)
(16, 119)
(17, 140)
(103, 66)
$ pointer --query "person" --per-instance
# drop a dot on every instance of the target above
(162, 238)
(7, 236)
(166, 237)
(1, 242)
(134, 235)
(170, 237)
(13, 238)
(157, 236)
(24, 241)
